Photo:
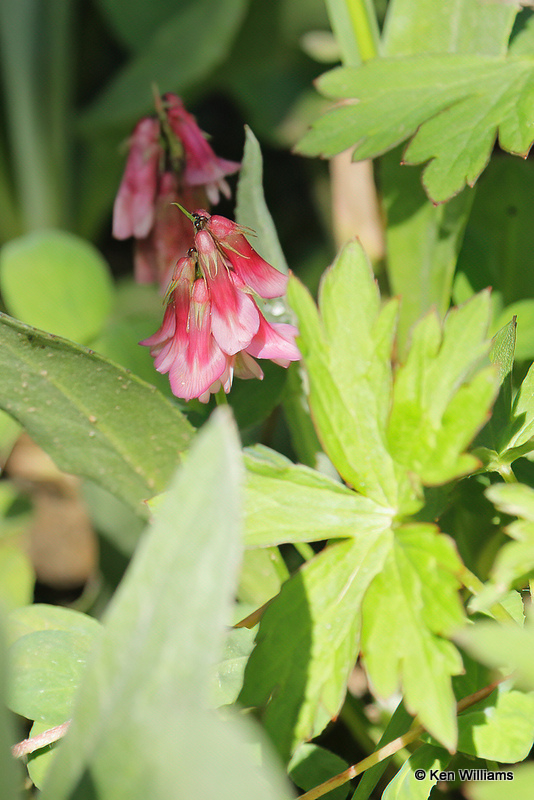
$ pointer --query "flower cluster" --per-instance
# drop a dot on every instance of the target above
(213, 328)
(169, 161)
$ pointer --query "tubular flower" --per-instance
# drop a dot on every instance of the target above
(212, 327)
(169, 161)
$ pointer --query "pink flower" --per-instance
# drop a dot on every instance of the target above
(169, 161)
(202, 166)
(212, 326)
(133, 211)
(171, 236)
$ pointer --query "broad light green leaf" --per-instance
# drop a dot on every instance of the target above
(521, 786)
(285, 502)
(453, 128)
(182, 51)
(162, 635)
(347, 353)
(94, 418)
(500, 728)
(439, 400)
(418, 581)
(58, 282)
(405, 785)
(46, 670)
(308, 641)
(42, 617)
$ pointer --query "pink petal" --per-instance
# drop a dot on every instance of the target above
(133, 210)
(234, 314)
(202, 166)
(246, 367)
(275, 341)
(257, 273)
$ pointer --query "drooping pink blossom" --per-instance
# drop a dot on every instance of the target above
(257, 273)
(169, 161)
(202, 166)
(133, 211)
(170, 237)
(213, 328)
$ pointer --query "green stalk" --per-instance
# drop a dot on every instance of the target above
(356, 29)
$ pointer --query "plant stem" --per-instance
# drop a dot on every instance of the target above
(355, 28)
(475, 586)
(41, 740)
(392, 747)
(221, 398)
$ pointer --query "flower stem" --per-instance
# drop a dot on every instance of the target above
(221, 398)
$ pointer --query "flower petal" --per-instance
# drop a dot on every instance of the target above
(257, 273)
(275, 341)
(133, 210)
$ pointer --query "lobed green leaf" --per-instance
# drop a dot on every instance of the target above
(308, 641)
(285, 502)
(453, 127)
(418, 581)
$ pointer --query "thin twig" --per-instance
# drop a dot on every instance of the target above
(41, 740)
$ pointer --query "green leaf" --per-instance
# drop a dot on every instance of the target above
(497, 237)
(17, 576)
(515, 559)
(163, 633)
(58, 282)
(83, 410)
(285, 502)
(180, 52)
(41, 617)
(417, 26)
(230, 671)
(499, 728)
(522, 421)
(523, 310)
(312, 765)
(308, 642)
(523, 786)
(262, 574)
(251, 209)
(405, 785)
(422, 242)
(387, 437)
(438, 403)
(506, 647)
(347, 355)
(418, 580)
(453, 128)
(46, 670)
(10, 774)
